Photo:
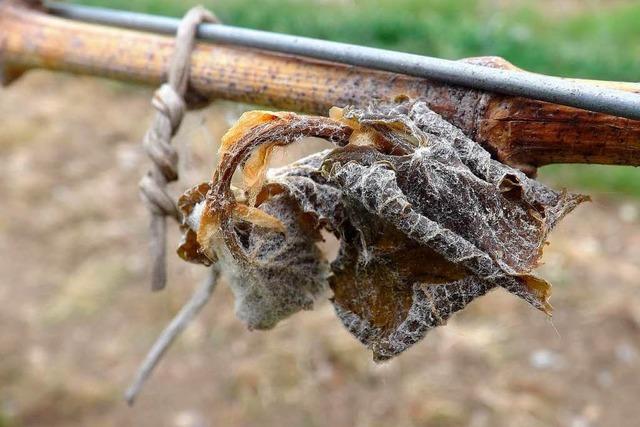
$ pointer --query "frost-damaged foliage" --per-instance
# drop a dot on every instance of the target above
(426, 220)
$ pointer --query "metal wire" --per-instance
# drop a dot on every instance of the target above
(529, 85)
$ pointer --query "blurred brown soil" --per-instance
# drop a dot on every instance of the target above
(76, 315)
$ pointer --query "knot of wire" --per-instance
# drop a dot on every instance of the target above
(170, 105)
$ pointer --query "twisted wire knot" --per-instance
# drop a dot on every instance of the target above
(170, 105)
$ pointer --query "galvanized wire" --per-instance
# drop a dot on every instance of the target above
(545, 88)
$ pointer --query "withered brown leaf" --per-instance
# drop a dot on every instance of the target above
(426, 221)
(265, 245)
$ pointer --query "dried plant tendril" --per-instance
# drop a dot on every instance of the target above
(426, 221)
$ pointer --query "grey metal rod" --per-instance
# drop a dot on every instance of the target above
(545, 88)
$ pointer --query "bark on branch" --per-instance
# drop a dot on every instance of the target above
(518, 131)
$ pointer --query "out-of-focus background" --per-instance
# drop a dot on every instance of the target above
(76, 315)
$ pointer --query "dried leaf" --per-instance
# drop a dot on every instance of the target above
(190, 205)
(257, 217)
(279, 274)
(426, 220)
(266, 247)
(254, 171)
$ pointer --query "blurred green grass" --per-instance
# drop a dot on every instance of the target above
(595, 39)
